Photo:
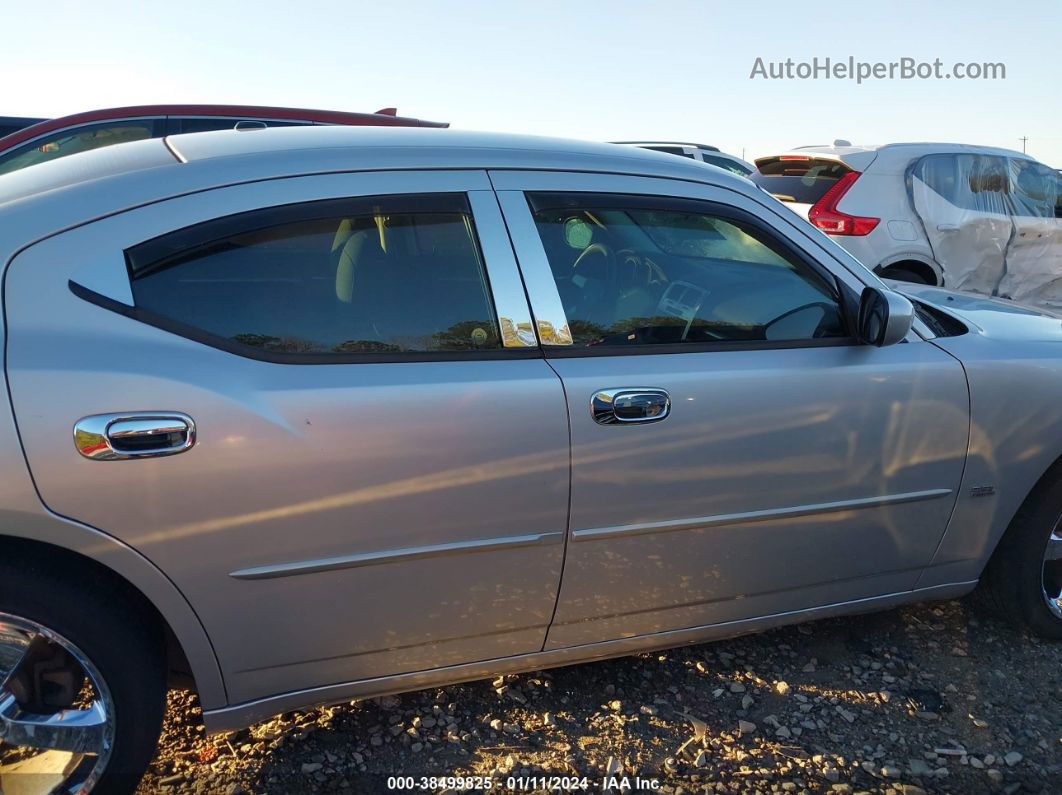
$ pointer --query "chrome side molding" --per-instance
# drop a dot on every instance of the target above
(746, 517)
(394, 556)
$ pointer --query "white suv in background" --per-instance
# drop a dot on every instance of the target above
(969, 217)
(703, 152)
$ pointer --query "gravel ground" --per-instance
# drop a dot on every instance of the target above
(934, 698)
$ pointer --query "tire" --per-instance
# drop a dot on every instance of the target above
(902, 275)
(109, 624)
(1013, 584)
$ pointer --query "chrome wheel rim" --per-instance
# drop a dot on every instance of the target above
(56, 713)
(1052, 571)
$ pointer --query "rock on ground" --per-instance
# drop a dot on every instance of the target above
(878, 703)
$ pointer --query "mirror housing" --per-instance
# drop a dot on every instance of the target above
(885, 317)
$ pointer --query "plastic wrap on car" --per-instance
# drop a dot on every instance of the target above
(994, 224)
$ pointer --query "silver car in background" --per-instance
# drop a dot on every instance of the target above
(300, 416)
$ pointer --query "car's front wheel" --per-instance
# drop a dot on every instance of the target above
(82, 685)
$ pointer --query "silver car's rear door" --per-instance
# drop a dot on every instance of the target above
(336, 518)
(784, 474)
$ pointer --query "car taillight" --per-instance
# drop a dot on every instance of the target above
(825, 215)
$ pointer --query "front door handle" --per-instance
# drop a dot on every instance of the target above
(631, 404)
(141, 434)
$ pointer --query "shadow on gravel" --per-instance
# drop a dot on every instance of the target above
(932, 698)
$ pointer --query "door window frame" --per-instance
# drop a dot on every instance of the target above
(551, 318)
(105, 279)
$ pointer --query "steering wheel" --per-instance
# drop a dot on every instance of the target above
(593, 290)
(640, 271)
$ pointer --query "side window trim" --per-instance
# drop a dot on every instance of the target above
(139, 225)
(552, 322)
(503, 274)
(177, 248)
(186, 239)
(149, 318)
(797, 232)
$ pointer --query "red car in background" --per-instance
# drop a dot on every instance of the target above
(69, 135)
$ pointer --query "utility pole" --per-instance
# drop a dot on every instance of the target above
(1023, 139)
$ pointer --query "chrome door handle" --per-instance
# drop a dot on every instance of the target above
(631, 404)
(142, 434)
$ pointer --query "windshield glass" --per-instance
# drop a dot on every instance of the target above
(72, 141)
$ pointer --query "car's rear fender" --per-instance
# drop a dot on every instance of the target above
(23, 516)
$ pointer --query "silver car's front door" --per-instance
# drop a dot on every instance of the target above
(335, 519)
(783, 475)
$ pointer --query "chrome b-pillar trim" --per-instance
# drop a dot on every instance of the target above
(510, 301)
(385, 556)
(551, 322)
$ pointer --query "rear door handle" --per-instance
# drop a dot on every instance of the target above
(947, 227)
(630, 404)
(142, 434)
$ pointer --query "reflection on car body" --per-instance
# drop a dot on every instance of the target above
(347, 412)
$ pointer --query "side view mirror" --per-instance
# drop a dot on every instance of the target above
(885, 317)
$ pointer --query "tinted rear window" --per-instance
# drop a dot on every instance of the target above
(368, 275)
(798, 180)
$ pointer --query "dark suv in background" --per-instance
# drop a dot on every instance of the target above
(50, 139)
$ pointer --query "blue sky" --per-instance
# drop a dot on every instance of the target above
(616, 70)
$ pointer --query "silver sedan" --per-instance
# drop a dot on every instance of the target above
(300, 416)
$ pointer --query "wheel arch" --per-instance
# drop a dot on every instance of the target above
(978, 529)
(917, 264)
(58, 542)
(1036, 492)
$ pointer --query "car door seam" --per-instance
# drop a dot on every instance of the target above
(567, 408)
(568, 519)
(965, 462)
